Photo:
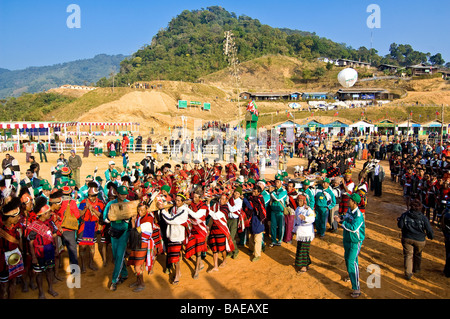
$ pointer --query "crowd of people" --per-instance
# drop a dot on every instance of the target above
(190, 211)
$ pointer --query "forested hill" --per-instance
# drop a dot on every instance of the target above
(37, 79)
(191, 46)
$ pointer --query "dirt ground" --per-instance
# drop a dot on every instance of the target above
(273, 276)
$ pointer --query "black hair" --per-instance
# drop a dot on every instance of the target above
(14, 203)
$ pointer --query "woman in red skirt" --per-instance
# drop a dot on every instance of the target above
(142, 255)
(197, 238)
(219, 239)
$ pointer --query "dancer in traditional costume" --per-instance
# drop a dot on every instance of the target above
(304, 231)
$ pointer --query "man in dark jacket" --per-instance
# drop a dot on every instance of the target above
(415, 229)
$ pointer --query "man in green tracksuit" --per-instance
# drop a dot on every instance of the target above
(119, 244)
(325, 201)
(354, 233)
(278, 198)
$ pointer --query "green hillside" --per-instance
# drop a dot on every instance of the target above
(37, 79)
(192, 45)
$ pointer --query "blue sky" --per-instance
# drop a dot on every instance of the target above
(34, 33)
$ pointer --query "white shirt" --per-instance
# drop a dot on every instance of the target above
(233, 209)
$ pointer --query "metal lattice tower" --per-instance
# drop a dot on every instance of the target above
(230, 52)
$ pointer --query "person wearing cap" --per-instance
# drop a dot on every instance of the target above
(309, 192)
(415, 228)
(10, 238)
(75, 163)
(42, 242)
(278, 202)
(118, 245)
(91, 210)
(304, 233)
(110, 170)
(354, 228)
(324, 203)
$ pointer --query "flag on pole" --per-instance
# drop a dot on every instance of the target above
(251, 107)
(336, 114)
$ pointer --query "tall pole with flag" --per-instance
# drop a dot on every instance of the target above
(230, 52)
(442, 124)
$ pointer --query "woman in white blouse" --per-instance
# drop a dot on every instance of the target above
(304, 230)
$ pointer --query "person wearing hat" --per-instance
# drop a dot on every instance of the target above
(278, 197)
(75, 163)
(354, 228)
(324, 203)
(118, 243)
(309, 192)
(110, 170)
(91, 209)
(9, 242)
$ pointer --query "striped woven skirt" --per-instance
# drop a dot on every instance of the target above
(217, 240)
(173, 252)
(196, 244)
(302, 258)
(156, 236)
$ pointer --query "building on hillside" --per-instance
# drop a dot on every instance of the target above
(388, 67)
(77, 87)
(326, 60)
(422, 69)
(270, 96)
(315, 96)
(365, 94)
(352, 63)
